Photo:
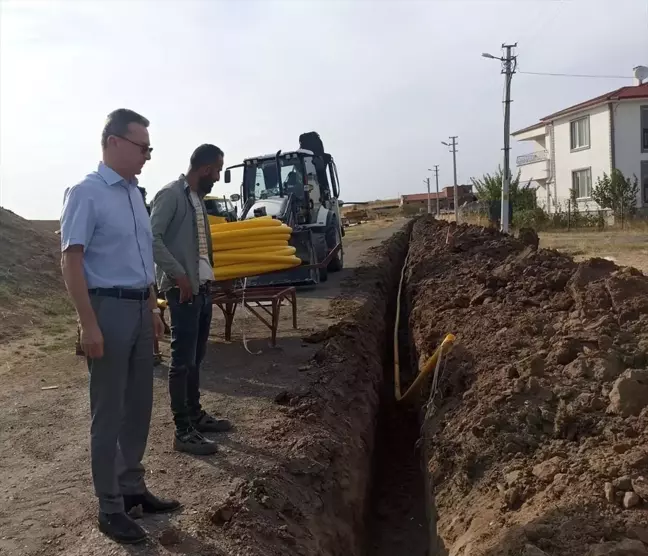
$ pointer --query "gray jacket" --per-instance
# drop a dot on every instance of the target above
(175, 235)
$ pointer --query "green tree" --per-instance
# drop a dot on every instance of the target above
(489, 188)
(617, 192)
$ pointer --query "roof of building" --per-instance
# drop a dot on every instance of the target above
(529, 128)
(630, 92)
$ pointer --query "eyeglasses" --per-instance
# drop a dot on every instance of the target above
(146, 149)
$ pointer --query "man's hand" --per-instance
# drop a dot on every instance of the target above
(158, 325)
(92, 341)
(186, 293)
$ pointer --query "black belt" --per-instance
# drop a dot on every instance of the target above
(122, 293)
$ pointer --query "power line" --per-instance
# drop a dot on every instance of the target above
(576, 75)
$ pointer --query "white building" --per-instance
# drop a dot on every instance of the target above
(575, 146)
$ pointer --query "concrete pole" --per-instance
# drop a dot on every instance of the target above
(429, 198)
(454, 171)
(436, 173)
(508, 69)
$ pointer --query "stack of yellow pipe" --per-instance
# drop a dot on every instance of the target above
(251, 247)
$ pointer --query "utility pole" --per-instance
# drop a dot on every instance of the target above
(509, 65)
(436, 173)
(453, 149)
(429, 198)
(508, 69)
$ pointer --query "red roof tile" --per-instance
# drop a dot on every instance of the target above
(624, 93)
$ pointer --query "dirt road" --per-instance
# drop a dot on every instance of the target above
(46, 501)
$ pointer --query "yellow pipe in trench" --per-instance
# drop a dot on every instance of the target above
(433, 361)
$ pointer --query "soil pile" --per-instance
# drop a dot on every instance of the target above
(30, 277)
(536, 441)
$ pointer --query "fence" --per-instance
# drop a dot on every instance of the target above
(568, 213)
(475, 212)
(563, 214)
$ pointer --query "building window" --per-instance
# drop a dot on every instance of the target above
(582, 183)
(580, 133)
(644, 129)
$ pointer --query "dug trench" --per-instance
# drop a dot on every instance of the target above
(317, 500)
(532, 444)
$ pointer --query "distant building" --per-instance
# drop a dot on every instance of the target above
(446, 198)
(571, 148)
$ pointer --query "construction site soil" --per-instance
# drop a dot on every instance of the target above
(535, 442)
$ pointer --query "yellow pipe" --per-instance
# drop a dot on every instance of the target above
(276, 232)
(256, 249)
(234, 257)
(432, 362)
(261, 222)
(251, 243)
(224, 241)
(243, 270)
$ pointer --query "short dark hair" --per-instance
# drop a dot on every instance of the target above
(117, 123)
(204, 155)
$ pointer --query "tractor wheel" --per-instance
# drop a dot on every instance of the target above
(332, 239)
(319, 241)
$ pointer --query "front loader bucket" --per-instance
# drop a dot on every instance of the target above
(302, 241)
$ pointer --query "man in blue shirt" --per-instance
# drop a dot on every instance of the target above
(107, 264)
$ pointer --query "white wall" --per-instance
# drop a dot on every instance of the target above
(627, 139)
(596, 157)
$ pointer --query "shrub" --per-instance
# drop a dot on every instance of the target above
(618, 193)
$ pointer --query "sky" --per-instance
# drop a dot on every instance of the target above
(383, 82)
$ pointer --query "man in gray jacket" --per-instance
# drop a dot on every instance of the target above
(182, 251)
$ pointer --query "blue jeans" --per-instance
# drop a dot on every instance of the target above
(190, 322)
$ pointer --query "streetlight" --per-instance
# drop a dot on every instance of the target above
(509, 64)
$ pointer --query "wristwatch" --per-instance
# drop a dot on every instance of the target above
(156, 311)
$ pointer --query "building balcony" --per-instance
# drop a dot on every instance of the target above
(531, 158)
(533, 166)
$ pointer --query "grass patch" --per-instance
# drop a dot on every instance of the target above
(625, 247)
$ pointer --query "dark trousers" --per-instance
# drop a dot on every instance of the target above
(190, 322)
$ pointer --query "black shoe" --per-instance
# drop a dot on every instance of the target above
(150, 504)
(121, 528)
(195, 443)
(206, 423)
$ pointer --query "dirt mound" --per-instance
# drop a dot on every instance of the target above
(30, 277)
(536, 441)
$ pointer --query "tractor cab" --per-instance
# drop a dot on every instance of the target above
(273, 182)
(301, 189)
